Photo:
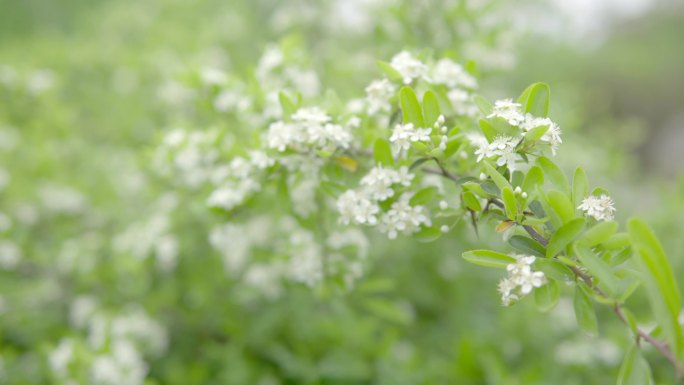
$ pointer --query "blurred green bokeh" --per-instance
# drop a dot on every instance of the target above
(83, 106)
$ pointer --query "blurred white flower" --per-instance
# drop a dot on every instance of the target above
(509, 111)
(405, 134)
(378, 94)
(600, 207)
(355, 207)
(10, 254)
(403, 218)
(408, 67)
(452, 75)
(521, 280)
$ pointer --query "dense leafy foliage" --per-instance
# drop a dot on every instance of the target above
(238, 201)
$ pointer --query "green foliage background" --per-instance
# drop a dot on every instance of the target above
(421, 315)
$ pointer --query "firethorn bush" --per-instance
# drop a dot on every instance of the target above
(346, 192)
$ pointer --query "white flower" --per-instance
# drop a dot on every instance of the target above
(232, 195)
(10, 254)
(408, 67)
(378, 94)
(462, 103)
(521, 279)
(311, 116)
(403, 218)
(60, 357)
(377, 183)
(260, 160)
(506, 287)
(530, 280)
(404, 134)
(452, 75)
(311, 127)
(503, 148)
(281, 135)
(601, 207)
(306, 263)
(357, 208)
(404, 177)
(508, 110)
(552, 136)
(213, 76)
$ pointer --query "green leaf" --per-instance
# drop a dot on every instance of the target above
(288, 106)
(418, 162)
(471, 201)
(599, 269)
(598, 233)
(536, 133)
(488, 258)
(659, 281)
(509, 203)
(527, 245)
(534, 177)
(546, 297)
(431, 110)
(634, 369)
(554, 174)
(490, 188)
(387, 310)
(563, 236)
(410, 108)
(554, 269)
(428, 234)
(498, 179)
(580, 187)
(387, 68)
(617, 241)
(483, 105)
(584, 310)
(537, 100)
(382, 153)
(488, 130)
(560, 203)
(424, 196)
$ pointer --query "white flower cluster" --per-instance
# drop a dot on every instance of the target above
(377, 183)
(378, 94)
(113, 350)
(62, 199)
(405, 134)
(403, 218)
(240, 243)
(409, 67)
(503, 148)
(445, 72)
(552, 136)
(361, 206)
(152, 237)
(276, 73)
(311, 128)
(237, 180)
(452, 75)
(521, 280)
(188, 157)
(10, 254)
(600, 207)
(508, 110)
(35, 82)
